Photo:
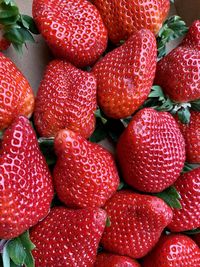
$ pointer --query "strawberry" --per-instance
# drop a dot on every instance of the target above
(123, 18)
(25, 182)
(16, 95)
(112, 260)
(178, 73)
(66, 99)
(151, 151)
(68, 237)
(191, 135)
(187, 218)
(174, 250)
(137, 222)
(4, 44)
(74, 30)
(85, 174)
(125, 75)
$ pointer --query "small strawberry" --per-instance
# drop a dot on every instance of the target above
(25, 182)
(16, 95)
(191, 135)
(112, 260)
(125, 75)
(187, 218)
(178, 73)
(66, 99)
(137, 222)
(68, 237)
(151, 151)
(4, 43)
(174, 251)
(123, 18)
(74, 30)
(85, 174)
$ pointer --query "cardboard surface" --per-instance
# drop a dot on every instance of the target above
(34, 60)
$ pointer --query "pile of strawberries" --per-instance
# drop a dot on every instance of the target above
(134, 207)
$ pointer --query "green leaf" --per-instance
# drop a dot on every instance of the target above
(108, 222)
(12, 264)
(47, 148)
(195, 105)
(27, 36)
(192, 232)
(98, 114)
(29, 23)
(172, 1)
(189, 167)
(14, 35)
(184, 115)
(29, 260)
(16, 251)
(7, 11)
(121, 186)
(171, 197)
(173, 28)
(5, 257)
(25, 239)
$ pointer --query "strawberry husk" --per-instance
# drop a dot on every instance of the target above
(17, 28)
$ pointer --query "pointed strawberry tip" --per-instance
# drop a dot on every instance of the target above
(64, 138)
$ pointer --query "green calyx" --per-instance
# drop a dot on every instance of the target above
(171, 197)
(17, 252)
(173, 28)
(17, 28)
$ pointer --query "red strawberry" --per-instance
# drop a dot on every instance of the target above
(123, 18)
(125, 75)
(174, 251)
(74, 30)
(4, 44)
(68, 237)
(16, 95)
(112, 260)
(25, 183)
(192, 138)
(85, 174)
(137, 222)
(66, 99)
(178, 73)
(151, 151)
(187, 218)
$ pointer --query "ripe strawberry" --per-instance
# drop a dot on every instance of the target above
(178, 73)
(16, 95)
(125, 75)
(151, 151)
(4, 44)
(137, 222)
(174, 250)
(68, 237)
(85, 174)
(187, 218)
(192, 138)
(123, 18)
(112, 260)
(74, 30)
(25, 183)
(66, 99)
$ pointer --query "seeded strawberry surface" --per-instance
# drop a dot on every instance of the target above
(66, 99)
(25, 182)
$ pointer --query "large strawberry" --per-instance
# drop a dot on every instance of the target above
(137, 222)
(151, 151)
(25, 182)
(16, 95)
(174, 251)
(123, 18)
(125, 75)
(178, 73)
(191, 135)
(112, 260)
(68, 237)
(73, 29)
(85, 174)
(187, 218)
(66, 99)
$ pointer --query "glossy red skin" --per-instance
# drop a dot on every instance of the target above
(123, 18)
(174, 251)
(178, 72)
(68, 237)
(151, 151)
(137, 222)
(16, 95)
(125, 75)
(26, 189)
(196, 238)
(66, 99)
(191, 135)
(85, 174)
(187, 218)
(73, 29)
(112, 260)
